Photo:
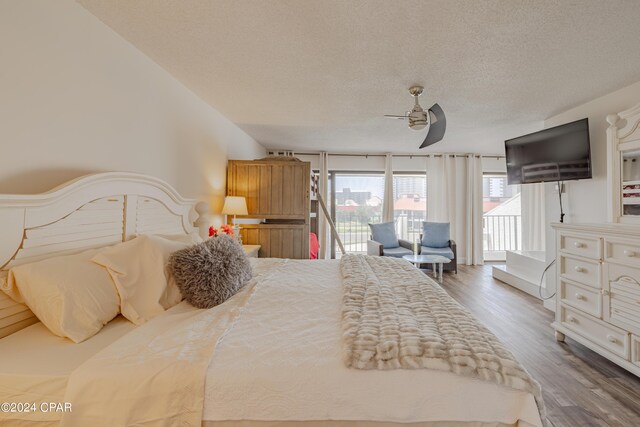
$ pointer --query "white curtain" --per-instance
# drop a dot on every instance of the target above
(532, 205)
(474, 235)
(387, 203)
(441, 188)
(323, 190)
(436, 193)
(454, 195)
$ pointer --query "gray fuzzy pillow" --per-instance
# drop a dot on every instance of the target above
(210, 272)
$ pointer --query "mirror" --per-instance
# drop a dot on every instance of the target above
(631, 182)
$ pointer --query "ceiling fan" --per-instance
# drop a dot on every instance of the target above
(419, 118)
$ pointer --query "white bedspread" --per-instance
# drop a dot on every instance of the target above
(279, 358)
(283, 361)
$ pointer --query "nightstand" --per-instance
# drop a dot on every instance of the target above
(251, 250)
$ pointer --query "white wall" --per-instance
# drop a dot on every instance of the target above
(76, 98)
(586, 200)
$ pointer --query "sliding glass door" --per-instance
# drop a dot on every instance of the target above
(502, 223)
(356, 200)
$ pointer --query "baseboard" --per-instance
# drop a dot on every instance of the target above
(550, 304)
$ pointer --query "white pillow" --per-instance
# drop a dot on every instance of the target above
(191, 238)
(71, 295)
(138, 269)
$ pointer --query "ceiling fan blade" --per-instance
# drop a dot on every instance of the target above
(437, 126)
(395, 117)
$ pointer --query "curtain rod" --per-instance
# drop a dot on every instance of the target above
(384, 155)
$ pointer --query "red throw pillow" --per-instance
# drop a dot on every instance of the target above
(314, 246)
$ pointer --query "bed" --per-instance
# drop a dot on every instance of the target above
(276, 347)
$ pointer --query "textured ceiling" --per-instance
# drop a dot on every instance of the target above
(319, 75)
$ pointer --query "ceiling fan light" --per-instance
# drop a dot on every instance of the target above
(418, 119)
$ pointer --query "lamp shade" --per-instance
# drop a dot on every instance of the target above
(234, 205)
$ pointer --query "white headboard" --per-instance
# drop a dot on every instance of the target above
(88, 212)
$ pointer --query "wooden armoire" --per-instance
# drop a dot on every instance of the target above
(277, 191)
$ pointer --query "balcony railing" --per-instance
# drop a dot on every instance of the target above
(502, 233)
(409, 225)
(354, 230)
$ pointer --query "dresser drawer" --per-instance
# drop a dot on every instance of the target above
(581, 271)
(606, 336)
(623, 297)
(625, 273)
(623, 252)
(584, 298)
(635, 350)
(588, 247)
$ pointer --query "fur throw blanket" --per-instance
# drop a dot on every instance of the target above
(395, 317)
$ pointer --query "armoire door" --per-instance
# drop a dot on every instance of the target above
(273, 189)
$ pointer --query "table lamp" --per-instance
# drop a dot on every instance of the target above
(235, 205)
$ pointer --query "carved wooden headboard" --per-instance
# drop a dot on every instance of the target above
(88, 212)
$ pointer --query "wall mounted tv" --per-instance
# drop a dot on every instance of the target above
(561, 153)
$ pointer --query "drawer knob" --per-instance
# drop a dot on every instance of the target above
(580, 269)
(612, 339)
(581, 297)
(605, 292)
(572, 319)
(578, 245)
(629, 253)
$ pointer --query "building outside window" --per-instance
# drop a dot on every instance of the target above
(410, 204)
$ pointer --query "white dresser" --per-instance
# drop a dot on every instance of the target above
(598, 289)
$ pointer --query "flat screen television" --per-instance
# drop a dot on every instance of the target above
(561, 153)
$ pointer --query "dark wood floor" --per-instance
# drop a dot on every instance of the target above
(580, 387)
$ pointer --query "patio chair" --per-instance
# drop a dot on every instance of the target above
(385, 242)
(435, 240)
